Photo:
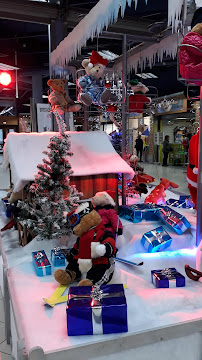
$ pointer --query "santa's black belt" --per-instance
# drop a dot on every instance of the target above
(191, 166)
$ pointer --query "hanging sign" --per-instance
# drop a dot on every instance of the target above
(44, 118)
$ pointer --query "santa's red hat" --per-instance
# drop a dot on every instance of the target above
(103, 198)
(192, 169)
(95, 58)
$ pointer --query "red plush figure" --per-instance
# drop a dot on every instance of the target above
(138, 101)
(104, 203)
(157, 196)
(92, 253)
(192, 169)
(190, 53)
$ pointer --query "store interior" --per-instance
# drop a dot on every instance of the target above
(100, 168)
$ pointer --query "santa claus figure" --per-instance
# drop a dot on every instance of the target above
(192, 169)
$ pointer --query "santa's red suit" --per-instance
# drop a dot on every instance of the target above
(192, 169)
(137, 102)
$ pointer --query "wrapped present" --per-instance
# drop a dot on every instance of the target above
(7, 207)
(139, 212)
(173, 219)
(185, 204)
(167, 278)
(156, 240)
(96, 310)
(41, 263)
(57, 257)
(184, 197)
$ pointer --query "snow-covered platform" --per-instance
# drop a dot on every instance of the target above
(163, 323)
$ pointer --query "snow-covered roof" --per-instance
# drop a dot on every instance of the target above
(93, 154)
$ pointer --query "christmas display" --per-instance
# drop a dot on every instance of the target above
(41, 263)
(58, 98)
(52, 194)
(96, 310)
(92, 88)
(167, 278)
(156, 240)
(190, 52)
(92, 253)
(104, 204)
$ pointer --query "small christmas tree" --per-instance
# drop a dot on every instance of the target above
(53, 196)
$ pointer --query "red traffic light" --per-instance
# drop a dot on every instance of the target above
(5, 79)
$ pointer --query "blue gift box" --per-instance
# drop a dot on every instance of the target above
(41, 263)
(57, 257)
(185, 204)
(96, 310)
(174, 220)
(167, 278)
(6, 204)
(156, 240)
(138, 212)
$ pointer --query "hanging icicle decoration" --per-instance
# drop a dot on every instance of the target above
(167, 46)
(60, 122)
(104, 13)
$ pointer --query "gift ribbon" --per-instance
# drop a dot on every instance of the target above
(156, 236)
(57, 252)
(39, 256)
(96, 295)
(167, 272)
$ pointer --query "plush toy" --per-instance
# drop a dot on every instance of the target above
(58, 98)
(190, 53)
(104, 203)
(138, 101)
(92, 88)
(93, 251)
(192, 169)
(157, 196)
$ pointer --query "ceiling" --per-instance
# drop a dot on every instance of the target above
(24, 40)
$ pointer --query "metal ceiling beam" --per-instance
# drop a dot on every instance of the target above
(119, 36)
(28, 11)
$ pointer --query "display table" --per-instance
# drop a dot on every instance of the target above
(163, 323)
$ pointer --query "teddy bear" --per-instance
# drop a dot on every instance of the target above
(192, 168)
(93, 251)
(138, 101)
(92, 88)
(58, 98)
(190, 52)
(103, 202)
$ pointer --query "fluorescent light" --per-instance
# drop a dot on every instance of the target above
(153, 76)
(183, 118)
(44, 96)
(147, 76)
